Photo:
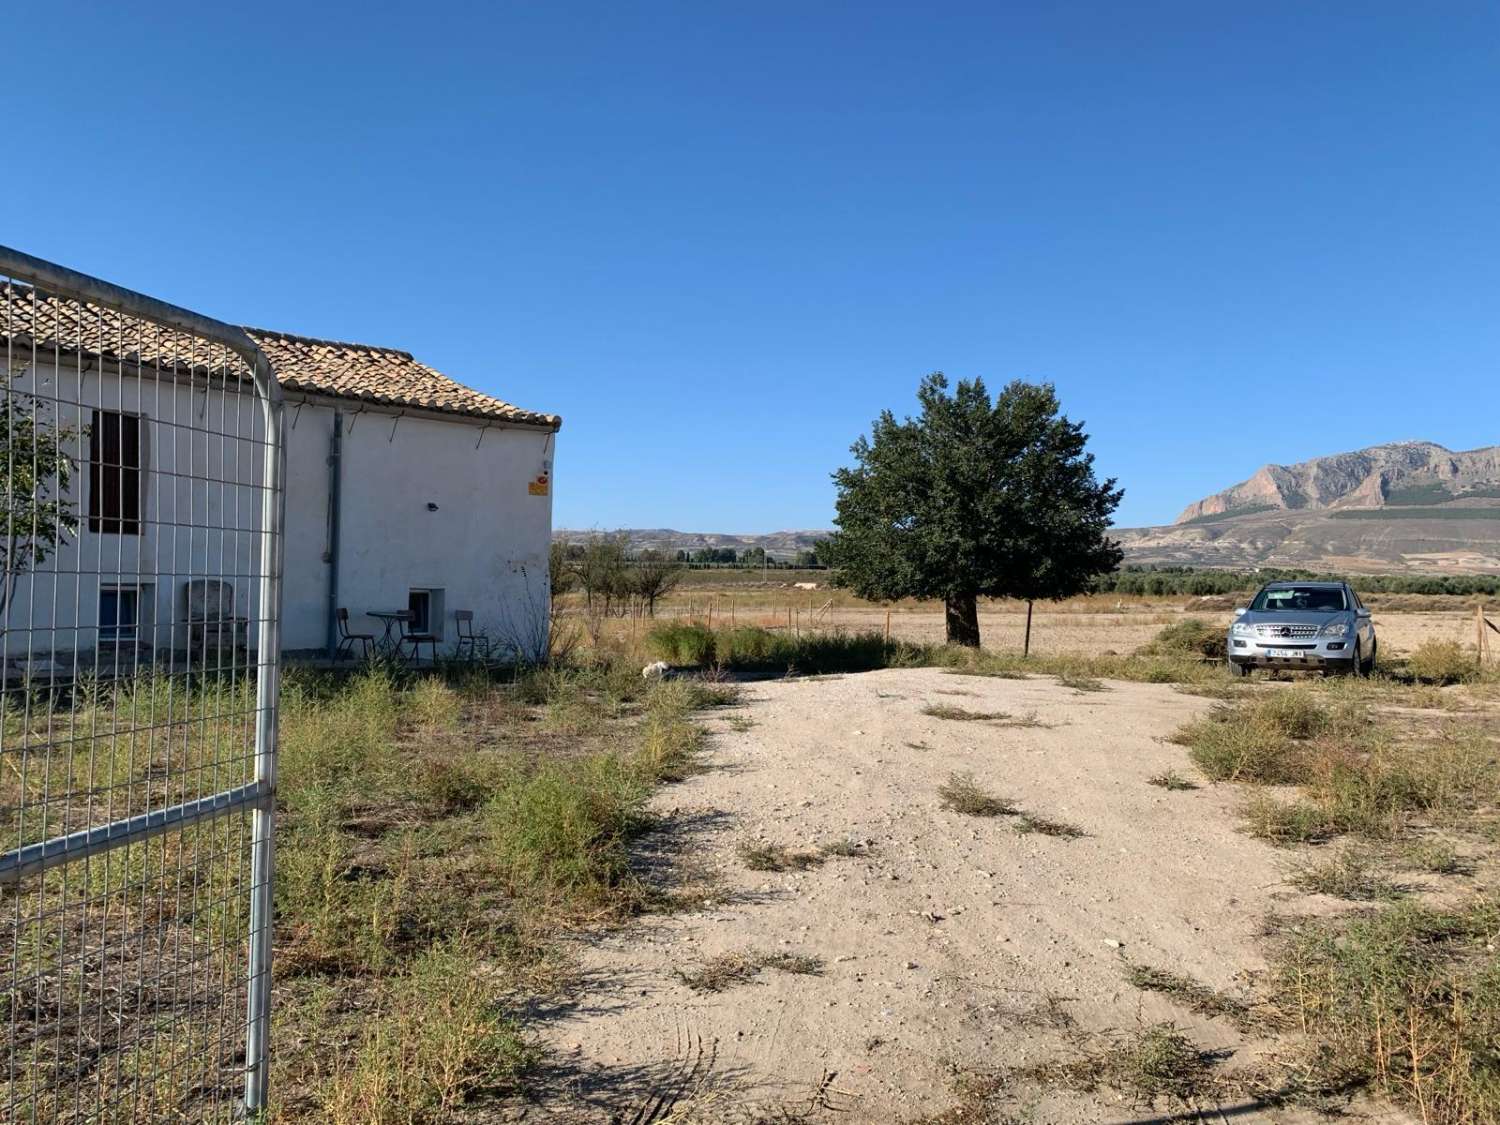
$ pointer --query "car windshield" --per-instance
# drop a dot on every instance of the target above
(1304, 599)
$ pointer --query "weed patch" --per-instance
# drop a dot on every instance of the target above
(730, 969)
(1171, 780)
(962, 794)
(1404, 1001)
(1192, 994)
(1351, 875)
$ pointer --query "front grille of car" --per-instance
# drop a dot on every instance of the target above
(1276, 631)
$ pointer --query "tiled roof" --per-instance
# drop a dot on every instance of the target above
(384, 376)
(380, 375)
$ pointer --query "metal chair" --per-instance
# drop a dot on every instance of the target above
(469, 645)
(211, 620)
(416, 640)
(345, 647)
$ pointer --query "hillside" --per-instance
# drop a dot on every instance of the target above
(778, 544)
(1403, 506)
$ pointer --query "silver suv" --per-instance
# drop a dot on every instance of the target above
(1313, 625)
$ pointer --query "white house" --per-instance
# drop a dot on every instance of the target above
(405, 491)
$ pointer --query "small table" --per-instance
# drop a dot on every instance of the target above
(389, 643)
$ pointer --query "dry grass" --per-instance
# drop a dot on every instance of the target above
(730, 969)
(1171, 780)
(962, 794)
(1350, 875)
(1153, 1065)
(777, 857)
(1028, 823)
(1192, 994)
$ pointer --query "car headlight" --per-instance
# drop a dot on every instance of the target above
(1242, 629)
(1334, 629)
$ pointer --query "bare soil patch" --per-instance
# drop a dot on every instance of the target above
(945, 944)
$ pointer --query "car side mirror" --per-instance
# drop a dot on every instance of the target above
(1362, 612)
(1239, 611)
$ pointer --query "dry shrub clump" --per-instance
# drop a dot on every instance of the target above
(1192, 636)
(1405, 1001)
(962, 794)
(729, 969)
(1359, 775)
(436, 1038)
(1442, 662)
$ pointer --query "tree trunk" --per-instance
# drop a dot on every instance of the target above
(962, 615)
(1026, 647)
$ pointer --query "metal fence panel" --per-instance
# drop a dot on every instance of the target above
(140, 552)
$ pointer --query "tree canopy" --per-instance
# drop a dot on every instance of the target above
(973, 498)
(37, 516)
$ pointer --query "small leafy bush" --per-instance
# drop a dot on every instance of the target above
(1191, 636)
(1442, 662)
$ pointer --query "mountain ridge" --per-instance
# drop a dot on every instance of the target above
(1361, 478)
(1412, 506)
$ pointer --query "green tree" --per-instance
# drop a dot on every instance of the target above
(653, 577)
(973, 498)
(35, 475)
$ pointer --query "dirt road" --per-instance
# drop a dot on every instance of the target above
(946, 943)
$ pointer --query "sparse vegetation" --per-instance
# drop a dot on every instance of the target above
(1192, 636)
(1151, 1065)
(1170, 780)
(1358, 776)
(1027, 823)
(962, 794)
(1192, 994)
(729, 969)
(1349, 875)
(1442, 662)
(1405, 1001)
(960, 714)
(778, 857)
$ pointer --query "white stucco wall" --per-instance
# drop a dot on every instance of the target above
(485, 546)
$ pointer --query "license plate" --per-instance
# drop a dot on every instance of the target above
(1289, 653)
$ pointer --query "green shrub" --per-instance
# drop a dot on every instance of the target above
(438, 1038)
(680, 642)
(1191, 636)
(1405, 1000)
(560, 831)
(1442, 662)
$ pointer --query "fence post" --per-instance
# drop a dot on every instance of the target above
(888, 625)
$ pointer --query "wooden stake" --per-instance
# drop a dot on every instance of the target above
(887, 626)
(788, 619)
(710, 613)
(799, 623)
(1479, 638)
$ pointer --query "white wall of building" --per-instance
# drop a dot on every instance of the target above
(485, 547)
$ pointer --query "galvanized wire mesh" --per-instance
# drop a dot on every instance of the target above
(139, 545)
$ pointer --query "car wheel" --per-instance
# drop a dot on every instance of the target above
(1370, 664)
(1239, 671)
(1357, 665)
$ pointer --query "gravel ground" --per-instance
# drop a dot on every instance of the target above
(947, 943)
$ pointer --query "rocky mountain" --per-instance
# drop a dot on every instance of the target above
(1404, 506)
(1401, 473)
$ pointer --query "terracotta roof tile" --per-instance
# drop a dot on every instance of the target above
(356, 371)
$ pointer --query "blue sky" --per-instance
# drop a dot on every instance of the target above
(719, 238)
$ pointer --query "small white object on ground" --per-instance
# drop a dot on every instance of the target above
(655, 671)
